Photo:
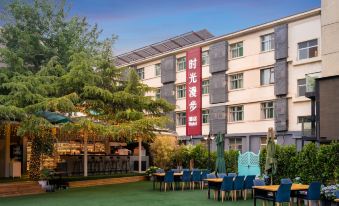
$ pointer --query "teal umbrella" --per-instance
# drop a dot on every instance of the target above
(271, 162)
(220, 166)
(53, 117)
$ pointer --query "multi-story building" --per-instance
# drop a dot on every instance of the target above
(251, 79)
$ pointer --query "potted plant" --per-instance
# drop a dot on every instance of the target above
(150, 171)
(45, 175)
(328, 194)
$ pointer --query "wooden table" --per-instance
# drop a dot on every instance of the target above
(336, 200)
(213, 183)
(261, 192)
(159, 177)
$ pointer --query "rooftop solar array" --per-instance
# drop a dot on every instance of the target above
(163, 47)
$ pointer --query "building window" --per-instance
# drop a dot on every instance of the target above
(181, 118)
(235, 144)
(267, 76)
(181, 64)
(302, 119)
(301, 87)
(263, 142)
(205, 86)
(157, 70)
(141, 73)
(157, 93)
(237, 50)
(267, 42)
(205, 116)
(236, 113)
(308, 49)
(267, 110)
(205, 59)
(236, 81)
(181, 91)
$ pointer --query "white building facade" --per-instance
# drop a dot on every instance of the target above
(252, 79)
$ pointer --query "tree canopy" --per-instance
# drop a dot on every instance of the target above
(57, 63)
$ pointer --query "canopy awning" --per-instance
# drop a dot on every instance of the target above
(53, 117)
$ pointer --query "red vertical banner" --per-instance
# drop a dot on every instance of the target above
(193, 92)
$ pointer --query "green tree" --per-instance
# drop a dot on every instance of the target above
(57, 63)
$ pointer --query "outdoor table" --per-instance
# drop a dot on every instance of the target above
(336, 200)
(213, 182)
(159, 177)
(261, 192)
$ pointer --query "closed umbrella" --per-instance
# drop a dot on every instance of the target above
(220, 163)
(271, 162)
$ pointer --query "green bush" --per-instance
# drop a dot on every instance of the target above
(307, 164)
(286, 162)
(231, 160)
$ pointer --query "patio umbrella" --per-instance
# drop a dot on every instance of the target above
(220, 162)
(271, 162)
(53, 117)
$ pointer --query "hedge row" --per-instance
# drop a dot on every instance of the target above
(312, 163)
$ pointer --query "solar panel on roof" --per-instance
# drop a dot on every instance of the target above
(164, 46)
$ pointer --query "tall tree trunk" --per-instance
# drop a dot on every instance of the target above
(85, 155)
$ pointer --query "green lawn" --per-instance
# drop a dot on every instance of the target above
(131, 194)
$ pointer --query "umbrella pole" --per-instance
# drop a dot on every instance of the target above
(139, 158)
(85, 155)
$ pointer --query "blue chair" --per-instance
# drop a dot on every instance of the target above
(337, 194)
(175, 170)
(196, 178)
(211, 175)
(313, 193)
(248, 184)
(232, 174)
(226, 186)
(238, 185)
(204, 176)
(185, 169)
(259, 182)
(186, 178)
(221, 175)
(286, 181)
(169, 179)
(159, 171)
(283, 194)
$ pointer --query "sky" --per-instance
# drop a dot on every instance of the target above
(138, 23)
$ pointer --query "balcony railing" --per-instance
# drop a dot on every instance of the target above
(310, 83)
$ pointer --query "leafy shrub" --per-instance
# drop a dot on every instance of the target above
(231, 160)
(162, 150)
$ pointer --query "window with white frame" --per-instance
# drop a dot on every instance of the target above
(205, 116)
(157, 93)
(181, 91)
(308, 49)
(236, 113)
(267, 110)
(235, 143)
(181, 118)
(141, 73)
(205, 86)
(181, 64)
(236, 81)
(301, 87)
(157, 70)
(237, 50)
(267, 42)
(205, 59)
(302, 119)
(267, 76)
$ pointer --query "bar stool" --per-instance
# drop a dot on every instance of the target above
(91, 165)
(107, 165)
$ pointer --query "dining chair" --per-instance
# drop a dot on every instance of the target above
(186, 178)
(248, 184)
(238, 185)
(283, 194)
(232, 174)
(337, 194)
(226, 186)
(221, 175)
(169, 179)
(286, 181)
(203, 176)
(313, 194)
(211, 186)
(260, 182)
(196, 178)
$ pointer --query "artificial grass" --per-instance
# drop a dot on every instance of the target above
(138, 193)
